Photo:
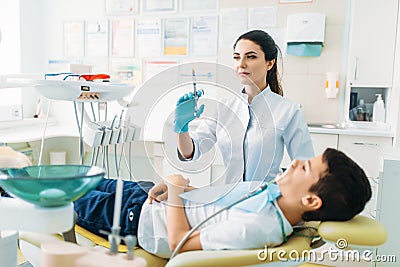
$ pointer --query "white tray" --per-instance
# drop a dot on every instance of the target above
(82, 90)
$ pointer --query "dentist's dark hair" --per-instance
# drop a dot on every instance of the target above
(271, 51)
(344, 189)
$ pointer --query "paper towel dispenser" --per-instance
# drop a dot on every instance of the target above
(305, 34)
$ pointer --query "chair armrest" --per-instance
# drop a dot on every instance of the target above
(360, 231)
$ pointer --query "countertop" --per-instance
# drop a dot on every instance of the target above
(32, 130)
(28, 130)
(346, 129)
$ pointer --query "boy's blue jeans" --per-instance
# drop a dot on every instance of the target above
(95, 209)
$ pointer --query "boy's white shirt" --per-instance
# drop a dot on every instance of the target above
(232, 229)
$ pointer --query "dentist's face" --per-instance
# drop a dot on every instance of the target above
(250, 64)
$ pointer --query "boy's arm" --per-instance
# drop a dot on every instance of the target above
(159, 192)
(177, 223)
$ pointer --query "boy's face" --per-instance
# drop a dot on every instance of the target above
(300, 176)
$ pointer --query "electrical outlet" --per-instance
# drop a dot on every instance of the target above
(10, 113)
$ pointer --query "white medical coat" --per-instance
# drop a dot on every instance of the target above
(255, 133)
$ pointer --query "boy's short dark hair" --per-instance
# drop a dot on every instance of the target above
(344, 189)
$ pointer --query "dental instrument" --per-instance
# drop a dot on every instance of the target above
(114, 237)
(196, 97)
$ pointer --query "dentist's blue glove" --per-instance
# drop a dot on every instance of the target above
(184, 111)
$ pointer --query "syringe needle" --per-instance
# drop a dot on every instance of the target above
(194, 92)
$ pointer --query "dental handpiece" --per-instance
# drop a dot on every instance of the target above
(196, 97)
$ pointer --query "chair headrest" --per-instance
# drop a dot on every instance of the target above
(360, 231)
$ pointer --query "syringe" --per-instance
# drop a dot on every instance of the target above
(196, 97)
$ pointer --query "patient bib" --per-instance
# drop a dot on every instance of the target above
(256, 203)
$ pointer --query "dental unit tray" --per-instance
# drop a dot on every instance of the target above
(50, 185)
(86, 91)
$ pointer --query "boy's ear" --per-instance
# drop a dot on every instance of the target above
(311, 202)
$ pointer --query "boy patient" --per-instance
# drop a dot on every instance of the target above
(329, 187)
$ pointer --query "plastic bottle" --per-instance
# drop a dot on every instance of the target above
(378, 114)
(361, 110)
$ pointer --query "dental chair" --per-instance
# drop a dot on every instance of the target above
(359, 231)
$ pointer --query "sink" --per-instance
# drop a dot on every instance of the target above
(327, 125)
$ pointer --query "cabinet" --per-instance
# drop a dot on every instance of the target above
(372, 41)
(323, 141)
(320, 143)
(371, 58)
(367, 151)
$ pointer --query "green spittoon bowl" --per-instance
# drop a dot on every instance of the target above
(50, 185)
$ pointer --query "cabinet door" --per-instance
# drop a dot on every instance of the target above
(372, 41)
(323, 141)
(367, 151)
(320, 143)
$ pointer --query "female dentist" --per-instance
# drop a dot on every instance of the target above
(252, 129)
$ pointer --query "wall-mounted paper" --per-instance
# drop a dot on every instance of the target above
(121, 7)
(233, 21)
(148, 37)
(99, 64)
(153, 67)
(96, 38)
(154, 6)
(304, 49)
(176, 36)
(204, 32)
(122, 38)
(74, 39)
(126, 70)
(262, 17)
(198, 6)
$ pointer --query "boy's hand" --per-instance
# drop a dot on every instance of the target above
(159, 193)
(177, 181)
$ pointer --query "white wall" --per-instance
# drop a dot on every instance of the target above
(10, 49)
(10, 43)
(396, 86)
(303, 78)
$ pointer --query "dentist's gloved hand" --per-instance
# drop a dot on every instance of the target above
(184, 111)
